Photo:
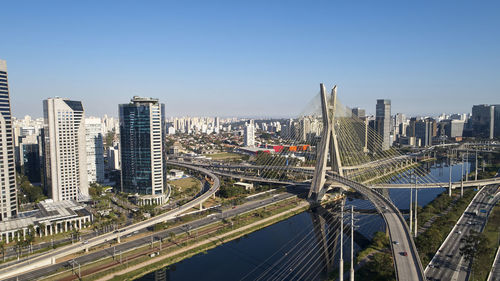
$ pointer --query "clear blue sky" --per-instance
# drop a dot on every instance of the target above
(253, 58)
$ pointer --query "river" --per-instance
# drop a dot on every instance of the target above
(293, 248)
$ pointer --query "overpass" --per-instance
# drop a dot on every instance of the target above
(50, 257)
(439, 184)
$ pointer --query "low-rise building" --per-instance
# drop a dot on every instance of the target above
(50, 218)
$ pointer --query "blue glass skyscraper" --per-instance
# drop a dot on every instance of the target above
(141, 148)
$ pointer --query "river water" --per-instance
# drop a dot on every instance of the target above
(294, 249)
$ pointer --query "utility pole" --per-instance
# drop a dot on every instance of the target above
(467, 168)
(416, 204)
(411, 203)
(341, 260)
(462, 179)
(449, 168)
(475, 174)
(352, 243)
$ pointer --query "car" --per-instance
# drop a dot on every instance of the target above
(85, 242)
(395, 242)
(404, 254)
(234, 207)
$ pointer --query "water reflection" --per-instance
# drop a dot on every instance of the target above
(303, 247)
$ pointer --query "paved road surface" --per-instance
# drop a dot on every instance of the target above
(448, 264)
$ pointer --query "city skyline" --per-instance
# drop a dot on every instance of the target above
(239, 59)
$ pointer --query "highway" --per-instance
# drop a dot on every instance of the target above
(447, 263)
(407, 267)
(108, 252)
(51, 256)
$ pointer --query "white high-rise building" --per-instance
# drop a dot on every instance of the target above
(65, 149)
(113, 154)
(95, 150)
(249, 138)
(216, 125)
(8, 190)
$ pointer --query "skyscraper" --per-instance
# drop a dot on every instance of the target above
(65, 152)
(216, 125)
(358, 112)
(424, 130)
(29, 157)
(95, 150)
(8, 190)
(141, 148)
(249, 134)
(485, 120)
(383, 122)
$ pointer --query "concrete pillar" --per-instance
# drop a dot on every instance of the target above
(7, 237)
(65, 226)
(118, 238)
(201, 206)
(24, 233)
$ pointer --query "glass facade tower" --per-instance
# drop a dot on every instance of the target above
(141, 148)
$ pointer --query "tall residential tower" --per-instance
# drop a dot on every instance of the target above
(65, 152)
(383, 122)
(95, 150)
(141, 148)
(8, 190)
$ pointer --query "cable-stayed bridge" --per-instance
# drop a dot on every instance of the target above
(340, 149)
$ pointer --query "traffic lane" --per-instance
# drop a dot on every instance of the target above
(404, 264)
(449, 261)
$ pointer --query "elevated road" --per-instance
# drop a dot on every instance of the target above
(440, 184)
(133, 244)
(50, 257)
(407, 267)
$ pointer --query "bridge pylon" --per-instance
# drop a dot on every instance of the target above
(328, 145)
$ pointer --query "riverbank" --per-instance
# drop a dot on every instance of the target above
(187, 244)
(141, 269)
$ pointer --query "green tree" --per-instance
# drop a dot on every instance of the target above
(2, 248)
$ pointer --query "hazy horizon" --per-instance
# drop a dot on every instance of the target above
(252, 59)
